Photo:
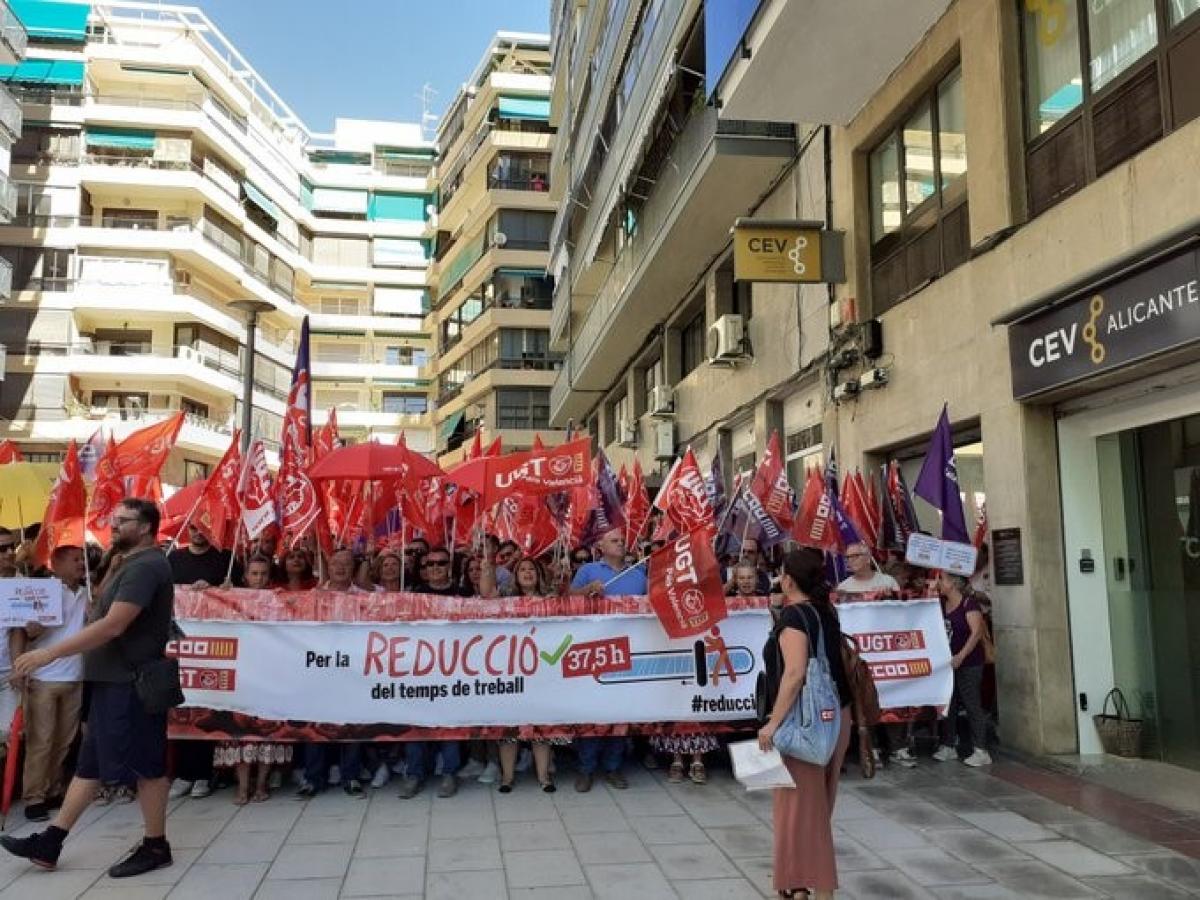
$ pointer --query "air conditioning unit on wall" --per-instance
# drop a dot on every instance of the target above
(662, 400)
(664, 439)
(727, 343)
(627, 434)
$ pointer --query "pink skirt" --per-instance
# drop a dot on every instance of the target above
(804, 856)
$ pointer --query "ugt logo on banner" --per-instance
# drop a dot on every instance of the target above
(685, 585)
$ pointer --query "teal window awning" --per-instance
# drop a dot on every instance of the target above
(62, 22)
(524, 108)
(522, 273)
(454, 271)
(120, 138)
(404, 153)
(261, 200)
(397, 207)
(453, 423)
(45, 71)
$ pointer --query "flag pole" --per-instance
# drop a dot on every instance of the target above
(186, 522)
(237, 533)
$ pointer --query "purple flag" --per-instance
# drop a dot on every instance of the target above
(938, 482)
(714, 484)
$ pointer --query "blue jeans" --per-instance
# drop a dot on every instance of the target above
(595, 753)
(419, 754)
(317, 762)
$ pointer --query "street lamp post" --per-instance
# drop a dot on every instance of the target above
(252, 309)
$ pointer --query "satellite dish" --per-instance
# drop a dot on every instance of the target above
(500, 239)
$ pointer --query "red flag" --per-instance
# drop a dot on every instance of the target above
(684, 497)
(476, 449)
(216, 514)
(62, 525)
(526, 522)
(685, 585)
(10, 452)
(142, 454)
(770, 484)
(108, 492)
(637, 505)
(623, 481)
(530, 473)
(326, 437)
(130, 469)
(866, 488)
(815, 525)
(854, 502)
(981, 526)
(254, 491)
(496, 448)
(299, 504)
(537, 443)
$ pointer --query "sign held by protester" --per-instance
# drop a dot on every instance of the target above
(930, 553)
(25, 600)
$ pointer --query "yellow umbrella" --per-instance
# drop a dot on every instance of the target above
(24, 491)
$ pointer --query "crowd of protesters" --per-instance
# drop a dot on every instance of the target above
(57, 696)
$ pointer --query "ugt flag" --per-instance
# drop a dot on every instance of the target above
(685, 585)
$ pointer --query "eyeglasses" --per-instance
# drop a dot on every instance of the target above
(430, 563)
(118, 521)
(411, 552)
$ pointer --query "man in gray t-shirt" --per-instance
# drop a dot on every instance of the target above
(123, 741)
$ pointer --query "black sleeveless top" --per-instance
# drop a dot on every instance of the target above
(804, 617)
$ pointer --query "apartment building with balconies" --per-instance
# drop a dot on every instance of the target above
(161, 181)
(13, 40)
(490, 292)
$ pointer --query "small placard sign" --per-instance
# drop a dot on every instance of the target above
(25, 600)
(931, 553)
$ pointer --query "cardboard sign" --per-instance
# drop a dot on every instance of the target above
(930, 553)
(25, 600)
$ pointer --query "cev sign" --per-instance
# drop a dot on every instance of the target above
(786, 251)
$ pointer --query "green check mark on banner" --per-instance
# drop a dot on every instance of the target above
(553, 658)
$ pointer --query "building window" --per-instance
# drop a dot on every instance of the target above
(192, 408)
(691, 344)
(522, 229)
(918, 194)
(404, 404)
(526, 408)
(1103, 81)
(525, 348)
(398, 356)
(194, 471)
(655, 374)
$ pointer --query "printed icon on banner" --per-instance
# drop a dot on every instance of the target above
(206, 649)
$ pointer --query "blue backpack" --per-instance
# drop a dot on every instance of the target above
(812, 726)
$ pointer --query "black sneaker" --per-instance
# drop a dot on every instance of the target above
(306, 790)
(144, 858)
(37, 812)
(353, 787)
(40, 848)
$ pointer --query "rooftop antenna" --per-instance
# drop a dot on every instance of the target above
(428, 117)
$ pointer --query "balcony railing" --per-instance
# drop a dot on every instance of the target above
(539, 184)
(12, 32)
(6, 279)
(10, 114)
(8, 199)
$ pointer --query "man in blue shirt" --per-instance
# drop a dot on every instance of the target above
(606, 576)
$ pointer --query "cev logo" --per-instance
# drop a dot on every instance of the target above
(1060, 343)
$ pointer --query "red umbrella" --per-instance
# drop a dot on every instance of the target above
(375, 462)
(11, 764)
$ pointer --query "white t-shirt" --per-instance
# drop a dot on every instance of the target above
(877, 582)
(67, 668)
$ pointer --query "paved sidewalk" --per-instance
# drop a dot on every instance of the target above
(941, 830)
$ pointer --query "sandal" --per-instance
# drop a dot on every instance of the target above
(698, 774)
(505, 787)
(675, 773)
(548, 787)
(261, 796)
(241, 798)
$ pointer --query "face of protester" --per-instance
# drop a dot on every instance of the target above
(474, 571)
(747, 581)
(436, 569)
(127, 530)
(67, 565)
(266, 545)
(258, 575)
(8, 555)
(527, 577)
(296, 563)
(750, 551)
(506, 555)
(389, 569)
(197, 539)
(948, 585)
(341, 569)
(858, 560)
(612, 546)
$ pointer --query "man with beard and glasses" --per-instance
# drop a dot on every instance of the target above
(123, 741)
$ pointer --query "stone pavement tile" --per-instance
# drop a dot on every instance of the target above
(464, 854)
(391, 840)
(447, 822)
(196, 834)
(918, 814)
(847, 806)
(647, 803)
(741, 840)
(1106, 838)
(115, 890)
(517, 836)
(94, 852)
(717, 889)
(273, 816)
(391, 810)
(326, 830)
(617, 847)
(376, 877)
(991, 891)
(1075, 859)
(1047, 812)
(1179, 870)
(204, 882)
(667, 830)
(881, 834)
(643, 881)
(586, 821)
(172, 874)
(308, 889)
(217, 806)
(974, 846)
(311, 861)
(889, 883)
(64, 884)
(959, 799)
(1137, 886)
(574, 892)
(1036, 879)
(250, 847)
(718, 811)
(1009, 826)
(693, 861)
(853, 856)
(334, 802)
(525, 807)
(487, 885)
(930, 866)
(542, 868)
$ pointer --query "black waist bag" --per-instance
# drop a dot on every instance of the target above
(157, 685)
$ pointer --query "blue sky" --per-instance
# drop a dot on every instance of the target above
(368, 58)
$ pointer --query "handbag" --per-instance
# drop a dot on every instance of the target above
(156, 683)
(1120, 733)
(810, 730)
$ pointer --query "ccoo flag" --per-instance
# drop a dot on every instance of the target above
(938, 481)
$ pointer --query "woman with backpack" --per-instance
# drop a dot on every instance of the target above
(804, 854)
